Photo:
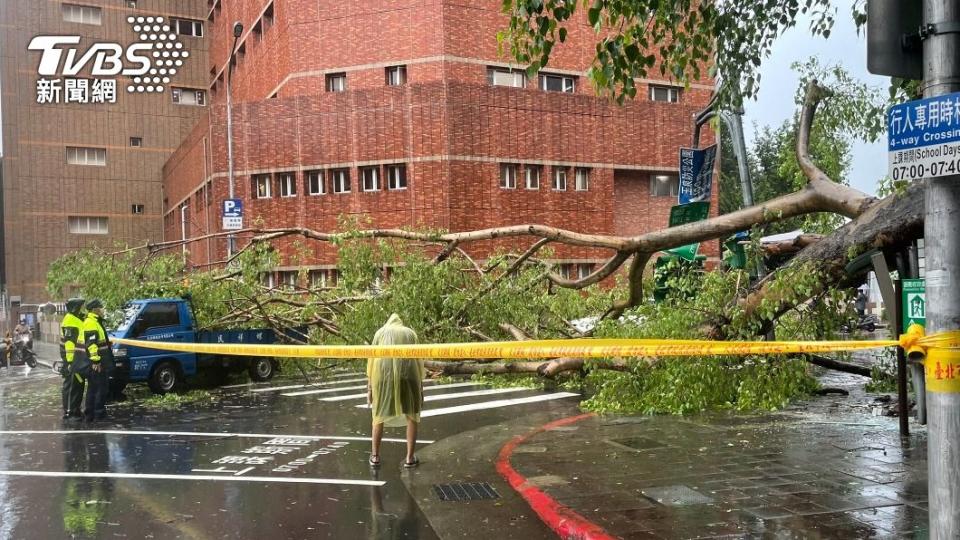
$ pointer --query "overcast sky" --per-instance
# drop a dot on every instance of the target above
(775, 102)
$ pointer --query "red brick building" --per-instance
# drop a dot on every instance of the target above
(402, 112)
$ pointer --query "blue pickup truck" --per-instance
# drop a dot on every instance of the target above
(171, 319)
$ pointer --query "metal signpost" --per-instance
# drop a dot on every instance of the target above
(232, 214)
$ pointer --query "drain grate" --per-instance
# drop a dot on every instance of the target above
(473, 491)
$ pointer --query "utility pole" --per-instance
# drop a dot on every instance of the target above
(237, 32)
(941, 75)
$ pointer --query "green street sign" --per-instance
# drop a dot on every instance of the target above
(688, 213)
(914, 303)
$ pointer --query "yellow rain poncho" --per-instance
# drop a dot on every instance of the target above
(394, 382)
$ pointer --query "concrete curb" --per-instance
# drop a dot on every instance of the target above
(562, 520)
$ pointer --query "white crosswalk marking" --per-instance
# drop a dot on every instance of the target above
(295, 386)
(495, 404)
(324, 391)
(460, 395)
(425, 389)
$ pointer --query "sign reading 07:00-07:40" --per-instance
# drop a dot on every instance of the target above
(924, 138)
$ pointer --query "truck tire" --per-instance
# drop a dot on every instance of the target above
(262, 369)
(165, 378)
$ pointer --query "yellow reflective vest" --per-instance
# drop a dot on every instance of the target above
(71, 336)
(94, 337)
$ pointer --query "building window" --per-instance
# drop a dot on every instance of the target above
(288, 184)
(267, 280)
(532, 176)
(664, 185)
(336, 82)
(564, 270)
(558, 83)
(396, 75)
(506, 77)
(560, 179)
(136, 142)
(81, 14)
(88, 225)
(136, 209)
(132, 4)
(323, 278)
(508, 176)
(396, 177)
(261, 186)
(188, 27)
(341, 180)
(582, 180)
(288, 279)
(315, 183)
(78, 155)
(268, 17)
(188, 96)
(668, 94)
(584, 270)
(371, 178)
(258, 31)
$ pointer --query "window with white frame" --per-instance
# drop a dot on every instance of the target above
(132, 4)
(560, 179)
(506, 77)
(288, 184)
(188, 96)
(324, 277)
(288, 279)
(336, 82)
(76, 13)
(564, 269)
(341, 180)
(582, 180)
(664, 185)
(532, 176)
(79, 155)
(88, 225)
(188, 27)
(558, 83)
(396, 177)
(584, 270)
(508, 176)
(268, 280)
(371, 178)
(261, 186)
(136, 209)
(668, 94)
(315, 183)
(136, 142)
(396, 75)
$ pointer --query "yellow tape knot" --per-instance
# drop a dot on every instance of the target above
(911, 343)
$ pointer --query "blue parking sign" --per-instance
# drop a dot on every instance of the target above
(233, 208)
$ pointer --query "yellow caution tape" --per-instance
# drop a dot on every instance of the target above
(557, 348)
(942, 371)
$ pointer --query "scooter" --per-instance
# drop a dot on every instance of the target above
(21, 353)
(867, 322)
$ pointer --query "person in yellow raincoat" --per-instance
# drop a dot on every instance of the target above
(395, 389)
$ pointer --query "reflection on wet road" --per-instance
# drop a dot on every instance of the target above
(287, 460)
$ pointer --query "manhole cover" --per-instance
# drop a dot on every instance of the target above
(637, 443)
(473, 491)
(676, 496)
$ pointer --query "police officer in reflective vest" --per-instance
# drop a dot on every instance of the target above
(101, 361)
(73, 357)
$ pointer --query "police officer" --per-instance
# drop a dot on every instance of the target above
(100, 355)
(73, 357)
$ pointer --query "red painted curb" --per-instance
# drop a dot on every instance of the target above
(563, 520)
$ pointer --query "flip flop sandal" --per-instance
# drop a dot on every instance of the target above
(374, 460)
(411, 464)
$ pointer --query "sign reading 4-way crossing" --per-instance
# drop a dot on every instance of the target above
(924, 138)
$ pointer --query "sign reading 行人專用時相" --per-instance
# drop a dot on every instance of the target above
(924, 138)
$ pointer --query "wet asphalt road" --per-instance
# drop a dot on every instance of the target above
(269, 466)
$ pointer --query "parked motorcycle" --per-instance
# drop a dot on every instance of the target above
(868, 323)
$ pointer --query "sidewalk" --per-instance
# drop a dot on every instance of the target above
(824, 468)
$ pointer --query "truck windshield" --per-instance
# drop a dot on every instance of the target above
(129, 315)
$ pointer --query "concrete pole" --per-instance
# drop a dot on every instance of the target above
(941, 64)
(183, 231)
